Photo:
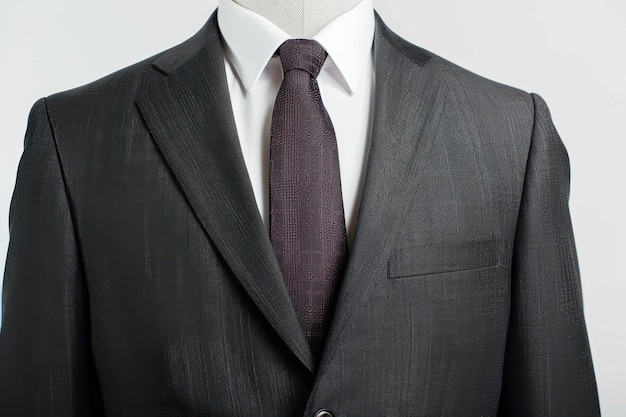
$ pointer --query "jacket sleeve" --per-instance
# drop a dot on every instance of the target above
(46, 366)
(548, 369)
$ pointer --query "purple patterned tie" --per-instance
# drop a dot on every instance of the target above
(307, 226)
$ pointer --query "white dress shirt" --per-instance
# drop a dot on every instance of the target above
(346, 83)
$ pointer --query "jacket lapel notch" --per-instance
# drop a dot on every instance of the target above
(190, 117)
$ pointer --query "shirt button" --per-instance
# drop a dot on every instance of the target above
(323, 413)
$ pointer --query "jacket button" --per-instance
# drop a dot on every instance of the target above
(323, 413)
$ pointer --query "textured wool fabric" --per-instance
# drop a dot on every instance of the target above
(307, 226)
(141, 281)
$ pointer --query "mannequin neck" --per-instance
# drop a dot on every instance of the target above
(299, 18)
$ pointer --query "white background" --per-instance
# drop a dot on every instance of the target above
(569, 51)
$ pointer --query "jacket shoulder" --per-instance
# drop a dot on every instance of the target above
(120, 88)
(126, 81)
(481, 92)
(467, 91)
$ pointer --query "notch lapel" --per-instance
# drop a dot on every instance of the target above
(190, 117)
(409, 103)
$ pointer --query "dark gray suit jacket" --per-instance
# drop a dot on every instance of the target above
(140, 280)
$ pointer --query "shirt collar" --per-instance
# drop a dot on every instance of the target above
(251, 40)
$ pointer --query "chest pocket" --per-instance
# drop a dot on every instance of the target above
(443, 257)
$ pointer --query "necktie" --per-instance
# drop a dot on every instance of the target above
(307, 226)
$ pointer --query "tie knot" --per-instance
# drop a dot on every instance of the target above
(304, 54)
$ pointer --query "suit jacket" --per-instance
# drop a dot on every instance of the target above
(140, 280)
